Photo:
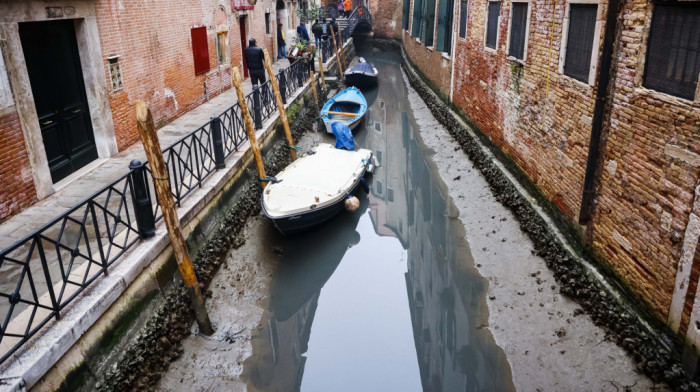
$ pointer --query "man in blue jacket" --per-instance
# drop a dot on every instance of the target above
(303, 33)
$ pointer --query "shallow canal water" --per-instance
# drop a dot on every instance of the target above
(386, 298)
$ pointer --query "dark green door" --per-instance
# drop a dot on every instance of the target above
(53, 63)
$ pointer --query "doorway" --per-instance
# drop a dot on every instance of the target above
(244, 42)
(56, 77)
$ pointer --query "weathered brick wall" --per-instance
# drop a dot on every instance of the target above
(651, 168)
(156, 59)
(16, 183)
(386, 18)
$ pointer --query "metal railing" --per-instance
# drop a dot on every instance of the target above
(43, 272)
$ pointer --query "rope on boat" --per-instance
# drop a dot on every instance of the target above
(294, 147)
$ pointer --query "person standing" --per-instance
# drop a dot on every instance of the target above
(255, 58)
(333, 24)
(348, 8)
(281, 43)
(303, 33)
(340, 7)
(317, 31)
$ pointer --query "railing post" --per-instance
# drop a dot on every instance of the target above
(218, 142)
(300, 73)
(145, 221)
(283, 86)
(257, 108)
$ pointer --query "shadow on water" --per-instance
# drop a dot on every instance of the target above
(386, 298)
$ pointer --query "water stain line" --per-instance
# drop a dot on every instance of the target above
(653, 358)
(160, 341)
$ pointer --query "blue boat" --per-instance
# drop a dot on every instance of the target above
(346, 107)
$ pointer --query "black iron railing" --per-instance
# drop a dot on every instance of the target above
(44, 271)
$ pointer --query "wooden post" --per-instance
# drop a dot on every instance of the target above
(249, 126)
(280, 104)
(313, 87)
(147, 130)
(342, 51)
(337, 54)
(323, 78)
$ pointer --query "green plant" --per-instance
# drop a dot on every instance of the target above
(310, 14)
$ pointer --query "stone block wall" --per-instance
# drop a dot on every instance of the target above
(156, 60)
(16, 183)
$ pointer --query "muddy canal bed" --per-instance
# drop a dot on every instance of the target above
(430, 285)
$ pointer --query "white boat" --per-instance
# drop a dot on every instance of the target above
(313, 188)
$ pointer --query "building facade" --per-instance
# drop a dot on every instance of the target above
(70, 72)
(527, 73)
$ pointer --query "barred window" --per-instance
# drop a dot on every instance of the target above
(417, 10)
(518, 30)
(406, 12)
(428, 28)
(463, 19)
(579, 46)
(492, 24)
(673, 54)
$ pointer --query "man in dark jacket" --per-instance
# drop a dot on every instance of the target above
(334, 25)
(317, 30)
(255, 59)
(303, 33)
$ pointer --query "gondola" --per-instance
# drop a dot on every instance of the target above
(347, 107)
(313, 188)
(361, 75)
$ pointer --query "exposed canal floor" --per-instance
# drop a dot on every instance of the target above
(430, 286)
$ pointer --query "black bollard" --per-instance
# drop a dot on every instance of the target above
(141, 199)
(218, 142)
(257, 108)
(283, 85)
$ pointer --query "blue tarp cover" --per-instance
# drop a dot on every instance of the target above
(343, 136)
(362, 67)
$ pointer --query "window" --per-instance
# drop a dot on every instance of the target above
(518, 30)
(115, 73)
(579, 45)
(268, 30)
(404, 16)
(417, 9)
(673, 54)
(492, 24)
(221, 47)
(463, 19)
(444, 31)
(200, 49)
(428, 28)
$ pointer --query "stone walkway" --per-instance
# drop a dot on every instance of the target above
(108, 170)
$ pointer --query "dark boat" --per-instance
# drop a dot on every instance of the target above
(313, 188)
(361, 75)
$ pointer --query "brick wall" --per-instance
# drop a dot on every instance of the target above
(386, 18)
(16, 183)
(154, 44)
(542, 119)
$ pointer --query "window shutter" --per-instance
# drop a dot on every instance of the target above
(428, 32)
(417, 9)
(517, 30)
(492, 26)
(200, 49)
(580, 41)
(406, 12)
(673, 55)
(463, 19)
(444, 32)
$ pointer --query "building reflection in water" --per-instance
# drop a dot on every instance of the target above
(446, 295)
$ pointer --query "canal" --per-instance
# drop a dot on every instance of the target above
(388, 297)
(431, 285)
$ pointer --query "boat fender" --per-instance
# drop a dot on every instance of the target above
(352, 203)
(364, 184)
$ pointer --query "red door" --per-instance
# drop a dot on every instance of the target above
(244, 43)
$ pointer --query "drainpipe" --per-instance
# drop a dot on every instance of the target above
(599, 111)
(453, 54)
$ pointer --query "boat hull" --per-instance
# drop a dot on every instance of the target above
(360, 80)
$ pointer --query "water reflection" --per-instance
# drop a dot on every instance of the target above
(411, 311)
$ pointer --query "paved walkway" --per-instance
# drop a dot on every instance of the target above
(108, 170)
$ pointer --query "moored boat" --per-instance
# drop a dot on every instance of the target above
(313, 188)
(362, 74)
(347, 107)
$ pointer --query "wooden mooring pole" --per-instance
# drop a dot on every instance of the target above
(337, 54)
(280, 105)
(323, 78)
(313, 87)
(342, 50)
(248, 121)
(147, 130)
